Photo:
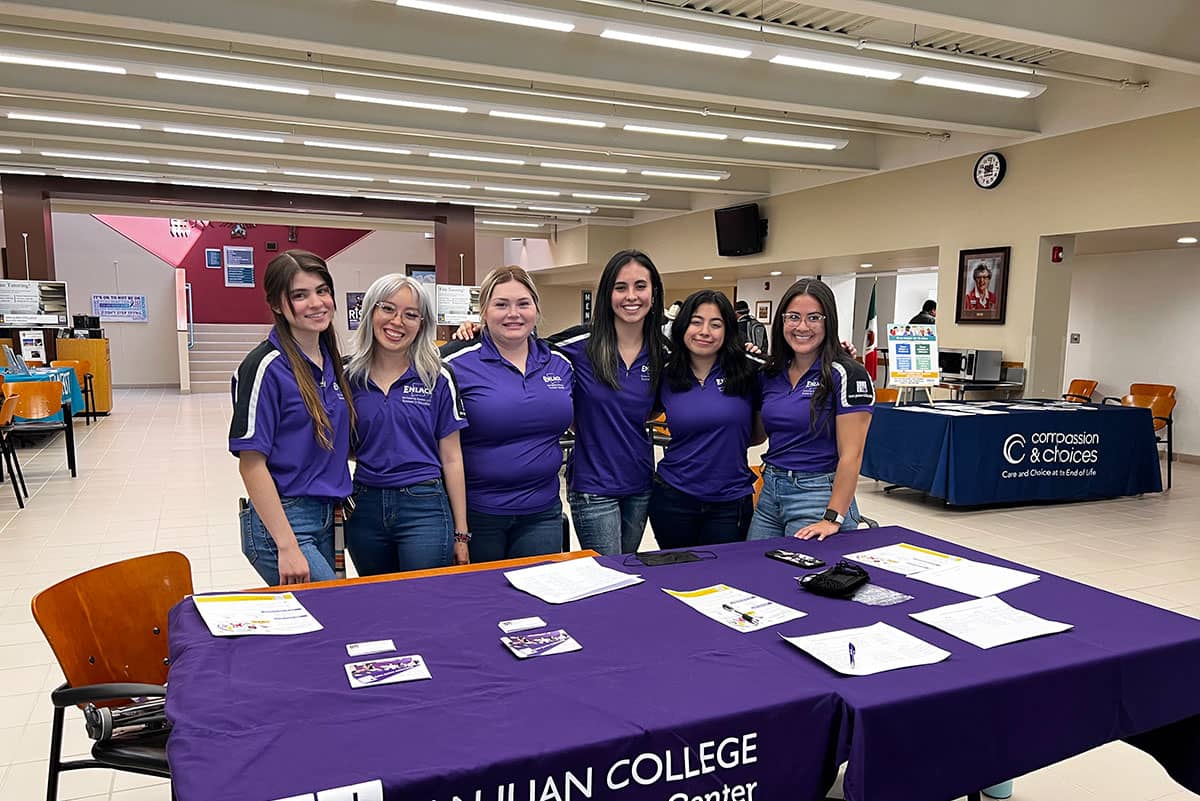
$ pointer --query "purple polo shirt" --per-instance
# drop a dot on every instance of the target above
(786, 412)
(511, 454)
(396, 439)
(710, 432)
(613, 454)
(269, 416)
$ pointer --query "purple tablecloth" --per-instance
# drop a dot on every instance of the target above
(261, 718)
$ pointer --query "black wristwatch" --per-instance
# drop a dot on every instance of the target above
(833, 517)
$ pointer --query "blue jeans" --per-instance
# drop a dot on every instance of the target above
(312, 522)
(510, 536)
(681, 520)
(789, 501)
(609, 524)
(403, 528)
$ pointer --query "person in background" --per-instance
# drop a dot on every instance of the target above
(670, 314)
(816, 409)
(410, 501)
(752, 331)
(292, 418)
(704, 491)
(927, 315)
(517, 393)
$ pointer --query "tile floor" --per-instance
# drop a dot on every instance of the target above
(155, 475)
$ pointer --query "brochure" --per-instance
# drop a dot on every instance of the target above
(260, 613)
(738, 610)
(543, 643)
(387, 670)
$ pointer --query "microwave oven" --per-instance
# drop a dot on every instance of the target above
(970, 364)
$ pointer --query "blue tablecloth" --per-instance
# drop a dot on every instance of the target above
(65, 375)
(1016, 457)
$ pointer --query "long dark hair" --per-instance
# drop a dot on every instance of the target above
(602, 344)
(277, 285)
(738, 369)
(831, 350)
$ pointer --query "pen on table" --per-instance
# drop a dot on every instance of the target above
(851, 654)
(746, 616)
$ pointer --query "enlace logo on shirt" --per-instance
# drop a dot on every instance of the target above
(645, 372)
(417, 393)
(720, 383)
(810, 387)
(553, 381)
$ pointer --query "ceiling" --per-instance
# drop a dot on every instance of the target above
(540, 127)
(1130, 240)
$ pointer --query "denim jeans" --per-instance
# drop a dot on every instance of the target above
(609, 524)
(789, 501)
(510, 536)
(312, 523)
(402, 528)
(681, 520)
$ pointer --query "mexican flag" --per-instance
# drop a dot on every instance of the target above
(870, 353)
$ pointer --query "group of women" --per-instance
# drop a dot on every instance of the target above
(458, 453)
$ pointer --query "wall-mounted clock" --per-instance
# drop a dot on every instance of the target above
(989, 170)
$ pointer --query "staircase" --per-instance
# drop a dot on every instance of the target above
(219, 348)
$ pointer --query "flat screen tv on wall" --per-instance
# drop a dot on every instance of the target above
(740, 231)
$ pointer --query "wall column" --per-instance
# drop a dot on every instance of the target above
(27, 229)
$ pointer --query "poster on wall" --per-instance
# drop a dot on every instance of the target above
(212, 258)
(35, 303)
(457, 304)
(239, 266)
(354, 309)
(120, 308)
(33, 344)
(912, 355)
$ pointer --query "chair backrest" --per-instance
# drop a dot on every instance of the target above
(37, 399)
(75, 364)
(886, 394)
(110, 623)
(34, 363)
(1152, 389)
(1081, 388)
(1159, 406)
(757, 470)
(8, 410)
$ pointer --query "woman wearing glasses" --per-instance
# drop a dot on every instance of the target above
(409, 491)
(517, 392)
(816, 408)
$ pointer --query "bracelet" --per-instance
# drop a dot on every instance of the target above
(462, 536)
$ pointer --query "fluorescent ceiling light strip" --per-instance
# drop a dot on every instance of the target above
(861, 71)
(403, 198)
(698, 176)
(609, 196)
(435, 184)
(10, 151)
(484, 204)
(516, 190)
(100, 177)
(60, 63)
(1186, 240)
(392, 101)
(676, 132)
(484, 159)
(212, 185)
(19, 171)
(330, 176)
(60, 154)
(475, 12)
(674, 44)
(518, 115)
(249, 137)
(980, 87)
(508, 224)
(564, 209)
(397, 151)
(234, 83)
(562, 165)
(812, 144)
(22, 115)
(321, 192)
(204, 165)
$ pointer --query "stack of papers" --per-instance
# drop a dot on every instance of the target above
(989, 622)
(254, 613)
(868, 650)
(932, 410)
(738, 610)
(943, 570)
(903, 558)
(561, 582)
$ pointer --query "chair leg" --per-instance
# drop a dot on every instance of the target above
(4, 446)
(16, 462)
(56, 730)
(70, 432)
(1170, 449)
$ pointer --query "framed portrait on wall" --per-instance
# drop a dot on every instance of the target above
(982, 285)
(762, 311)
(424, 273)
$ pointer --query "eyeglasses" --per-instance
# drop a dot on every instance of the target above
(390, 310)
(815, 318)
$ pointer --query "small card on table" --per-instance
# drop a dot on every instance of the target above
(543, 643)
(387, 670)
(521, 624)
(371, 647)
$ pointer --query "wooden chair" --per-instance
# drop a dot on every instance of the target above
(1161, 409)
(31, 363)
(7, 412)
(39, 401)
(659, 433)
(1080, 390)
(887, 394)
(757, 470)
(83, 374)
(1152, 389)
(108, 630)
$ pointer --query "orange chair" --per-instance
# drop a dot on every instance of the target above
(1080, 390)
(111, 650)
(38, 402)
(886, 395)
(31, 363)
(1152, 389)
(659, 433)
(83, 374)
(1161, 408)
(7, 411)
(757, 470)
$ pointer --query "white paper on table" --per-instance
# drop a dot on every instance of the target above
(571, 580)
(903, 558)
(988, 622)
(929, 410)
(975, 409)
(875, 649)
(1029, 407)
(255, 613)
(738, 610)
(976, 578)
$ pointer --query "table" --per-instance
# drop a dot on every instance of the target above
(265, 718)
(71, 391)
(959, 389)
(1019, 456)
